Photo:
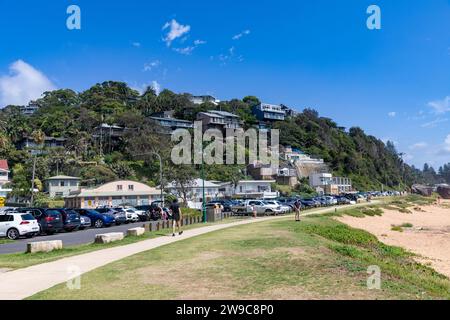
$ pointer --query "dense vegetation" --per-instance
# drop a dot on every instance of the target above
(98, 159)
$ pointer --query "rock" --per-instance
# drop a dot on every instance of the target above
(135, 232)
(444, 191)
(44, 246)
(423, 190)
(109, 237)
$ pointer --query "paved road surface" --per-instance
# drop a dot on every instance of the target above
(68, 238)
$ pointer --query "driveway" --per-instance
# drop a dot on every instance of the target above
(68, 238)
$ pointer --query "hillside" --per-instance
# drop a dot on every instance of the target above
(101, 158)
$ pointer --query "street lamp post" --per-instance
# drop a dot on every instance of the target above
(203, 190)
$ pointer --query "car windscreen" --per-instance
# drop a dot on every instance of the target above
(27, 217)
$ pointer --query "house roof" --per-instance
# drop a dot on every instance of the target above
(4, 165)
(224, 113)
(62, 177)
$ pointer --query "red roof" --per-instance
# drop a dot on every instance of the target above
(4, 164)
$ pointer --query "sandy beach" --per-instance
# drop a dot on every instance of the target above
(429, 237)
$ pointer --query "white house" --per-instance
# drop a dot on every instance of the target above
(260, 189)
(62, 186)
(326, 183)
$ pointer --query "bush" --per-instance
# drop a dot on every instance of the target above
(343, 234)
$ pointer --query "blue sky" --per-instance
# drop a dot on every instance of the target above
(394, 82)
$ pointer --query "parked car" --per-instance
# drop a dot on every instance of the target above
(50, 221)
(13, 225)
(85, 222)
(342, 200)
(98, 219)
(119, 216)
(282, 207)
(261, 208)
(136, 215)
(308, 203)
(71, 219)
(130, 214)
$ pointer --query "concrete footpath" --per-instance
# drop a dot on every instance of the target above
(22, 283)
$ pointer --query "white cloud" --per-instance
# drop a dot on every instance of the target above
(136, 44)
(440, 106)
(143, 87)
(156, 86)
(199, 42)
(434, 123)
(24, 83)
(418, 145)
(176, 30)
(240, 35)
(392, 114)
(149, 66)
(186, 51)
(445, 150)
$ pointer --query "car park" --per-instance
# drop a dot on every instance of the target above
(225, 204)
(13, 225)
(50, 221)
(98, 219)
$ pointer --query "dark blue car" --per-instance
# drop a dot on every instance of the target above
(98, 219)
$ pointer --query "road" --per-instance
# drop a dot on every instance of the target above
(68, 238)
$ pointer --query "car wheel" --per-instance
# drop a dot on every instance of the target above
(98, 224)
(13, 234)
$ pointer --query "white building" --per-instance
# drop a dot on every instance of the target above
(4, 178)
(113, 194)
(62, 186)
(204, 99)
(248, 189)
(326, 183)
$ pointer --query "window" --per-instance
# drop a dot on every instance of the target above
(62, 183)
(6, 218)
(131, 187)
(59, 194)
(119, 187)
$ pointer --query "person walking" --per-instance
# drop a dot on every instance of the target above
(297, 207)
(254, 212)
(176, 217)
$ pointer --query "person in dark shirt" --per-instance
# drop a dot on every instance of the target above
(176, 217)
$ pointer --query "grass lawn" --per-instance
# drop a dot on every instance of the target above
(318, 258)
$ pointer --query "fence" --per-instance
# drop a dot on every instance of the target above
(167, 224)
